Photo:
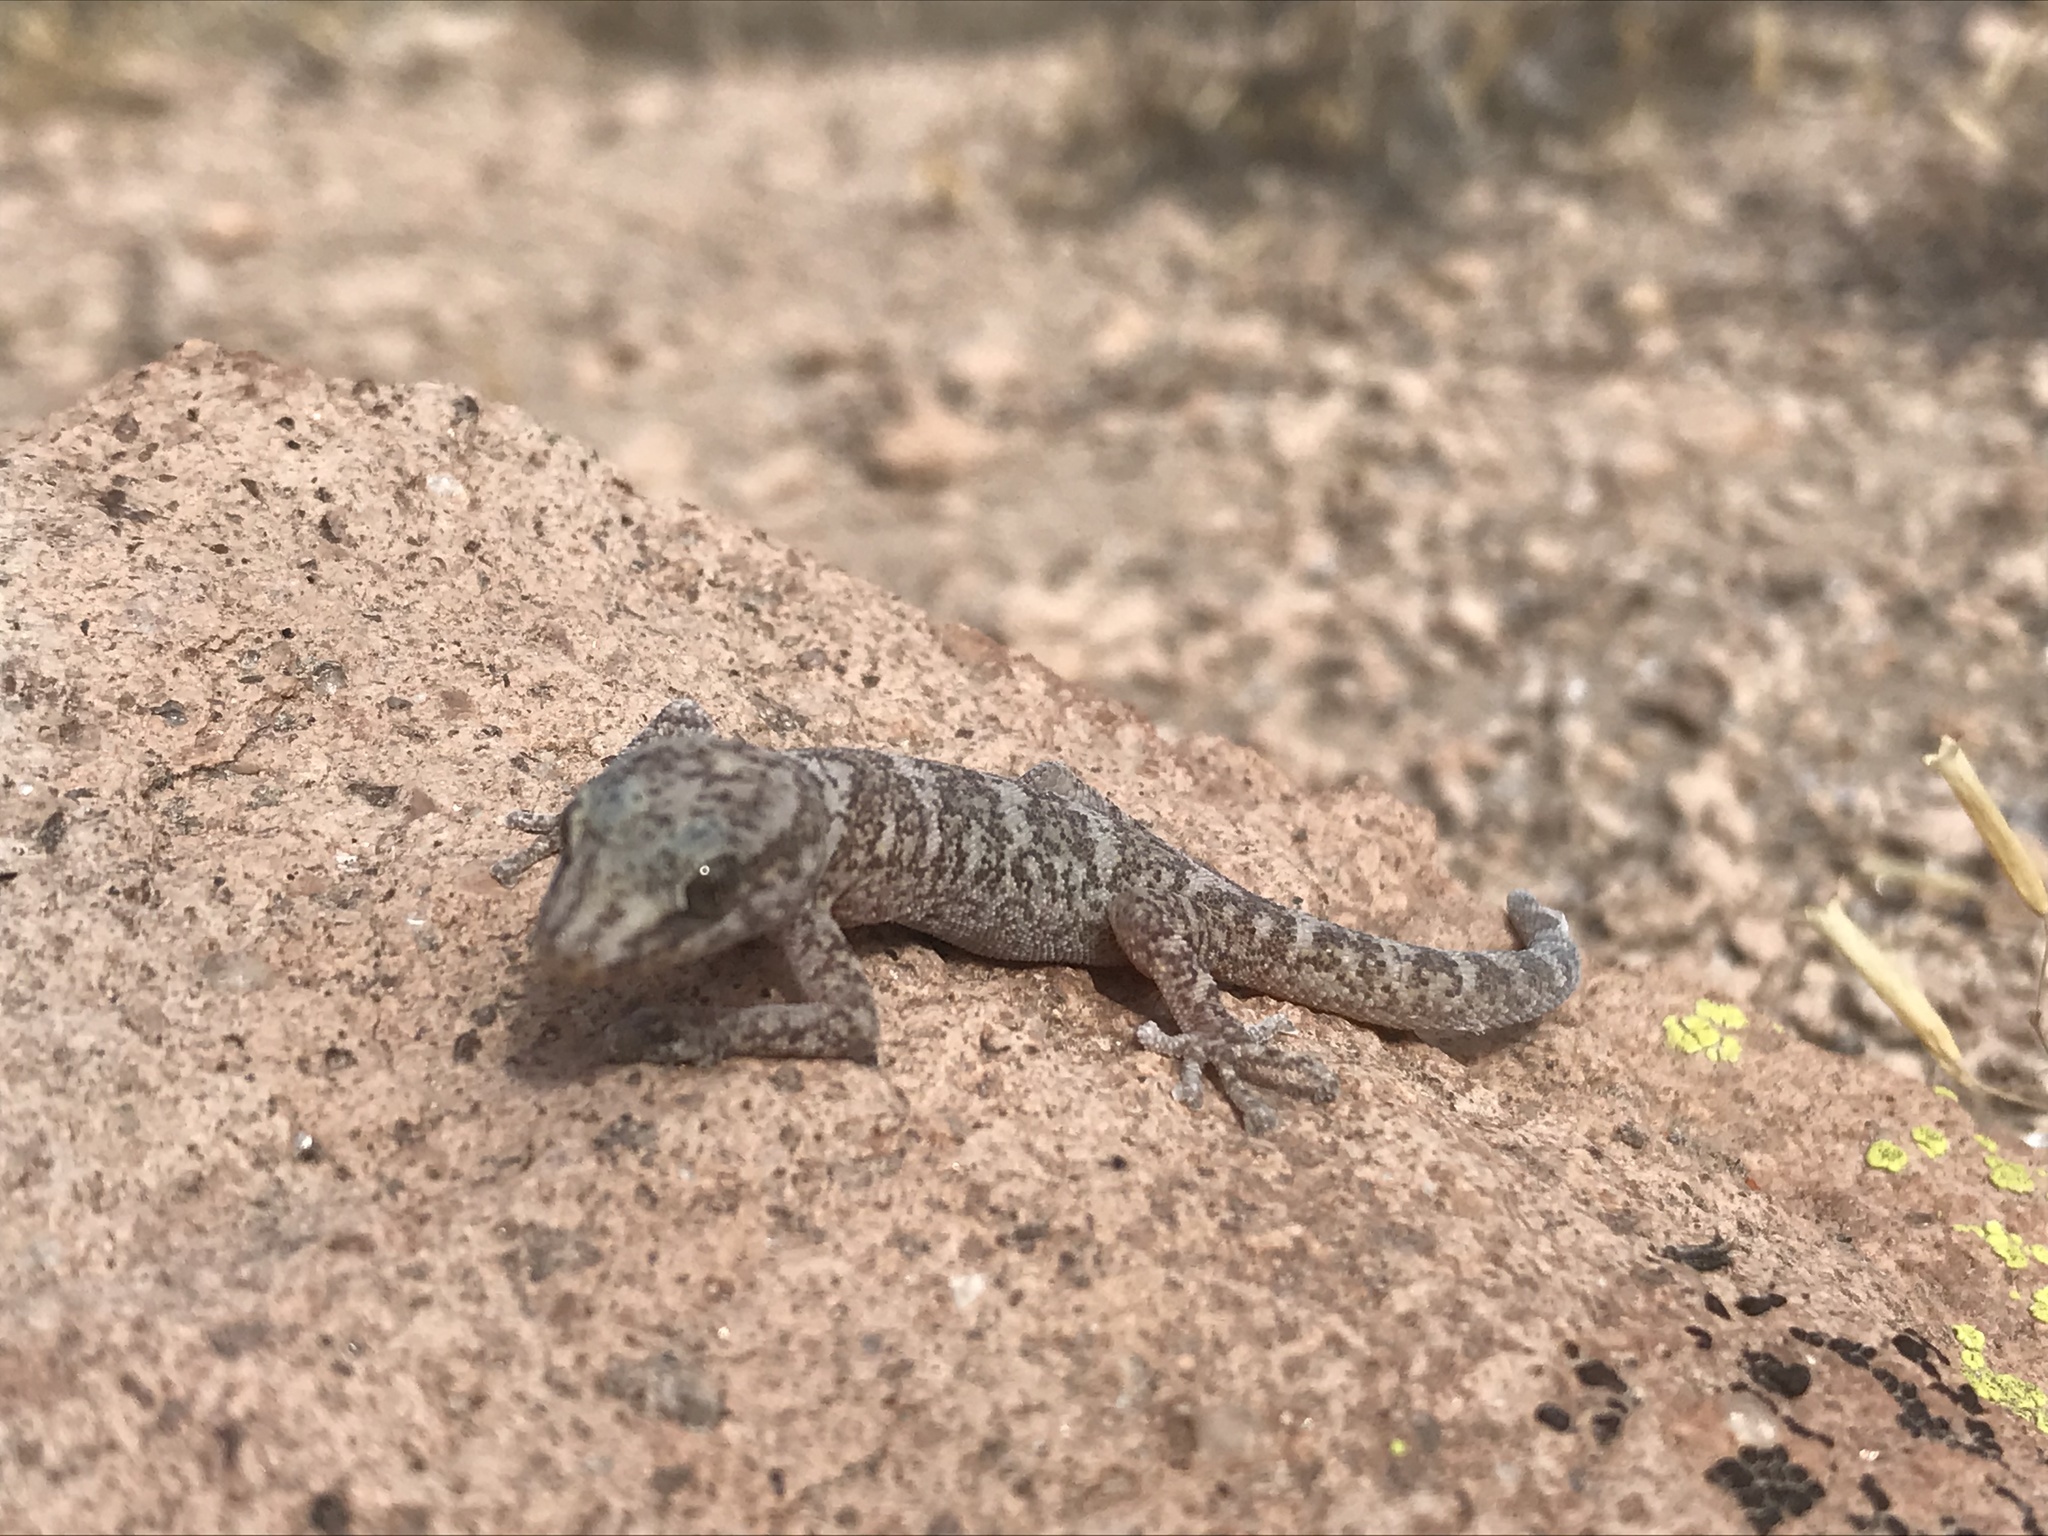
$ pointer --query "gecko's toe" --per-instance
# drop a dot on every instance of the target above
(1308, 1076)
(1184, 1049)
(547, 842)
(1265, 1029)
(1245, 1053)
(1260, 1118)
(1160, 1043)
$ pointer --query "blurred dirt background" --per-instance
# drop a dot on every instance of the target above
(1619, 427)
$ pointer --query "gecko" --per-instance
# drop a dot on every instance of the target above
(689, 843)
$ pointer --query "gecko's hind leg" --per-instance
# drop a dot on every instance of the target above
(678, 717)
(1152, 929)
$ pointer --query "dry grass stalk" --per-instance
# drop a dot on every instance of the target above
(2006, 848)
(2004, 843)
(1890, 983)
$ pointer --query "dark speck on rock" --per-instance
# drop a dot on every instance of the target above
(671, 1480)
(330, 1514)
(231, 1341)
(1784, 1377)
(1715, 1253)
(1768, 1484)
(1600, 1375)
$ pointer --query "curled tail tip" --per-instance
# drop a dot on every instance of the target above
(1535, 924)
(1529, 916)
(1548, 931)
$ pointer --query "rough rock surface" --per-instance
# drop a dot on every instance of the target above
(317, 1210)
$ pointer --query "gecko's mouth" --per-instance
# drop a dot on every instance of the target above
(579, 955)
(605, 949)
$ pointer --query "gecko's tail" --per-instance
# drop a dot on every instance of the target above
(1446, 996)
(1545, 933)
(1477, 997)
(1514, 986)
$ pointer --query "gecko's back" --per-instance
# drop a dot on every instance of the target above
(996, 865)
(1031, 869)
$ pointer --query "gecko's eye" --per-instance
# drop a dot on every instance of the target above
(709, 890)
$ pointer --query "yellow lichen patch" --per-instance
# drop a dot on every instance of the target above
(2039, 1310)
(2009, 1176)
(1886, 1156)
(1947, 1093)
(2009, 1246)
(1709, 1028)
(1725, 1015)
(1985, 1142)
(1930, 1141)
(2015, 1394)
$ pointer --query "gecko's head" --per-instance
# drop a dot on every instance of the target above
(680, 849)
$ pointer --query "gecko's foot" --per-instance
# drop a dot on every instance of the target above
(1246, 1050)
(547, 842)
(697, 1037)
(661, 1036)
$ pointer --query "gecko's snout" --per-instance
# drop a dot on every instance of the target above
(577, 935)
(558, 946)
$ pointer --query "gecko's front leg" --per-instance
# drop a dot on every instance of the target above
(678, 717)
(835, 1019)
(1152, 929)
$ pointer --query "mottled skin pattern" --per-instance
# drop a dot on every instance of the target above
(689, 843)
